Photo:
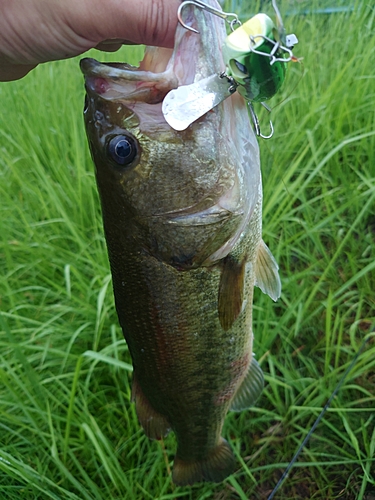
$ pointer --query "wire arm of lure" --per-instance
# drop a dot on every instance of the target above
(201, 5)
(277, 12)
(276, 47)
(255, 121)
(279, 22)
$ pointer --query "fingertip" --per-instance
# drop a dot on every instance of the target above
(108, 47)
(14, 72)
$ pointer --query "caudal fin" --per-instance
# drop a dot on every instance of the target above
(218, 465)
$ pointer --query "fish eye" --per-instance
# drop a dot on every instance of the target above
(122, 149)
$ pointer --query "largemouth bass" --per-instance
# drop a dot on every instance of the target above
(182, 219)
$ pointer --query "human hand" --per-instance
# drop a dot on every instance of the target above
(36, 31)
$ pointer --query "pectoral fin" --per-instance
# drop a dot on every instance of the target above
(250, 389)
(266, 272)
(154, 424)
(231, 291)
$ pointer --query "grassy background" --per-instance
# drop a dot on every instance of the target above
(67, 429)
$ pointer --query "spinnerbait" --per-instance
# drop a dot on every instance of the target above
(255, 54)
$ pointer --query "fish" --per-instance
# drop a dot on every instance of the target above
(182, 217)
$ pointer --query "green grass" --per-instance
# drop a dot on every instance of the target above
(67, 428)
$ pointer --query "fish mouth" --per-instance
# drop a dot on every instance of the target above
(120, 81)
(193, 58)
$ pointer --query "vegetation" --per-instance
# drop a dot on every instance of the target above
(67, 427)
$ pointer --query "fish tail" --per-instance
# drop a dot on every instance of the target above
(218, 465)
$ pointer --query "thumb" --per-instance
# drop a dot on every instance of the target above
(149, 22)
(35, 31)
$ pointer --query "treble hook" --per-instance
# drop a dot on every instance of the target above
(208, 8)
(256, 121)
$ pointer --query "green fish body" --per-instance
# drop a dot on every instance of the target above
(182, 219)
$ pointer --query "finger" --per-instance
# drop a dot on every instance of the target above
(117, 41)
(149, 22)
(108, 47)
(12, 72)
(113, 44)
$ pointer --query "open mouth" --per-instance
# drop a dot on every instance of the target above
(193, 58)
(120, 81)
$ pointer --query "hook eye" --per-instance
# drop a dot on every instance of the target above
(211, 10)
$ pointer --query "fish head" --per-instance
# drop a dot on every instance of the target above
(184, 197)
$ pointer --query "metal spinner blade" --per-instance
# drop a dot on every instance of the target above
(184, 105)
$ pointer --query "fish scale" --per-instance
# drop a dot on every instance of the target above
(182, 219)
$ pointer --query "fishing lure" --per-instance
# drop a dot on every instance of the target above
(255, 54)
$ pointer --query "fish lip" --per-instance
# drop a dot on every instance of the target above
(88, 65)
(115, 70)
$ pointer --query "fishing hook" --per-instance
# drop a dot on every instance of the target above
(208, 8)
(256, 121)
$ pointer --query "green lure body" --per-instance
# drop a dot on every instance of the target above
(245, 53)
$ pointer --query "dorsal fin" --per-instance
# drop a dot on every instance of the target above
(266, 272)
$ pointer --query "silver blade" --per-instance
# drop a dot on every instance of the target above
(182, 106)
